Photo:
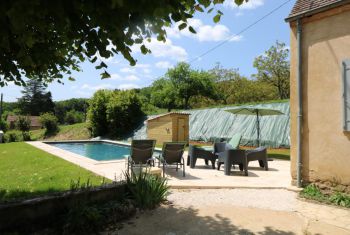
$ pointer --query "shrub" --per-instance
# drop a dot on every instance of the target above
(73, 117)
(124, 112)
(13, 136)
(3, 125)
(23, 123)
(312, 191)
(50, 123)
(26, 136)
(340, 199)
(146, 190)
(97, 115)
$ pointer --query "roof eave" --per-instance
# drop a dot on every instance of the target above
(315, 11)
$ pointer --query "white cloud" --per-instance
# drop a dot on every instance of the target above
(147, 71)
(115, 76)
(131, 78)
(127, 70)
(165, 49)
(205, 33)
(163, 65)
(128, 86)
(97, 87)
(140, 65)
(250, 5)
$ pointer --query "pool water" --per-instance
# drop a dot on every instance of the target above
(98, 151)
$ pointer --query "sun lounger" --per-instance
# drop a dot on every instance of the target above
(172, 155)
(141, 153)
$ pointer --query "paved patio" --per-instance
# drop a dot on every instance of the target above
(278, 176)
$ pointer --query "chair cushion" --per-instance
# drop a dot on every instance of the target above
(235, 140)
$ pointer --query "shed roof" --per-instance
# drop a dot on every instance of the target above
(34, 120)
(166, 114)
(304, 8)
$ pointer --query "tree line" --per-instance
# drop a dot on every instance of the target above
(181, 87)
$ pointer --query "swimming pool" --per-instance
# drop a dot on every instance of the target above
(99, 151)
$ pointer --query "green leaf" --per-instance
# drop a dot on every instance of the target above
(105, 75)
(198, 8)
(71, 79)
(217, 18)
(102, 65)
(191, 29)
(144, 49)
(182, 26)
(210, 10)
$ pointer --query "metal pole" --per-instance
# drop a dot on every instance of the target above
(258, 126)
(300, 106)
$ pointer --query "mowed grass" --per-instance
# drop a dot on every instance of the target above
(26, 171)
(77, 131)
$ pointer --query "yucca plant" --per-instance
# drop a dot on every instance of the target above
(146, 190)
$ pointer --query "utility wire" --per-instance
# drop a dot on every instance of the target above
(240, 32)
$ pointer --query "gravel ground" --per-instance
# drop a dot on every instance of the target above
(273, 199)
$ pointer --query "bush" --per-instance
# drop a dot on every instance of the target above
(124, 112)
(114, 112)
(146, 190)
(49, 122)
(73, 117)
(23, 123)
(13, 136)
(340, 199)
(26, 136)
(97, 115)
(3, 125)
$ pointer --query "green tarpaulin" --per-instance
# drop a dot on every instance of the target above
(208, 124)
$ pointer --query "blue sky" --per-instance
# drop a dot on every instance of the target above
(184, 46)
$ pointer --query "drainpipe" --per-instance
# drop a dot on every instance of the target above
(300, 106)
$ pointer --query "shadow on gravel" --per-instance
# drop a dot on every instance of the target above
(168, 220)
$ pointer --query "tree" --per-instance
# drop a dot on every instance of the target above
(48, 39)
(224, 81)
(188, 83)
(97, 113)
(163, 94)
(273, 68)
(124, 112)
(35, 99)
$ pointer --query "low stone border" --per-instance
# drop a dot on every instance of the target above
(42, 211)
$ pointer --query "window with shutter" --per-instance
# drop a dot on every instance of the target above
(346, 95)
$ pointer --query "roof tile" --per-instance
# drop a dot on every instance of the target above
(304, 6)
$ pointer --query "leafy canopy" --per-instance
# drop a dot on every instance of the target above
(273, 67)
(46, 40)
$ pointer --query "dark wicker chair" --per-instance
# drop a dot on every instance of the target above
(258, 154)
(141, 153)
(233, 157)
(195, 152)
(172, 154)
(232, 144)
(242, 158)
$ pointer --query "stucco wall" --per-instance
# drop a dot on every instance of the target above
(325, 147)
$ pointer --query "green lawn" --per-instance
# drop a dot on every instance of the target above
(77, 131)
(27, 171)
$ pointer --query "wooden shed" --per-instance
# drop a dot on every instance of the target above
(169, 127)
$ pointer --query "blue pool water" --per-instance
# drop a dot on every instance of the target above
(99, 151)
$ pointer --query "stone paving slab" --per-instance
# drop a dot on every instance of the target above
(201, 176)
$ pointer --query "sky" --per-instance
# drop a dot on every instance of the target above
(238, 52)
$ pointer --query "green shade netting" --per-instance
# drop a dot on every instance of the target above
(209, 124)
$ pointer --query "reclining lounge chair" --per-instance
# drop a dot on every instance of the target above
(172, 155)
(141, 153)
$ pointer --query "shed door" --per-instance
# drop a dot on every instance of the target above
(346, 95)
(181, 129)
